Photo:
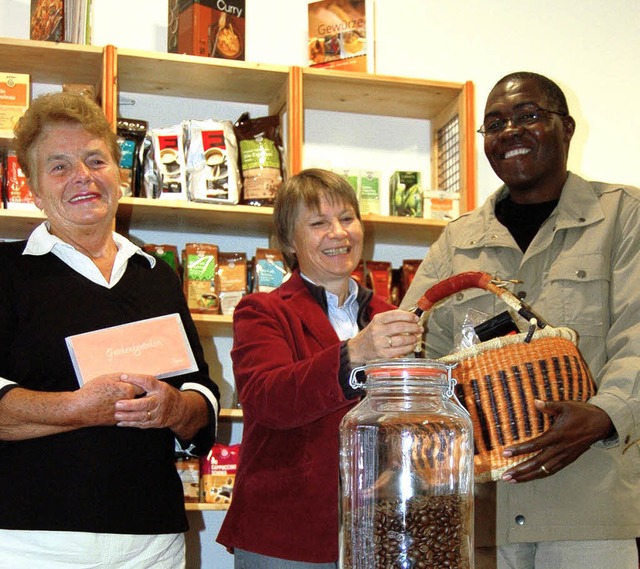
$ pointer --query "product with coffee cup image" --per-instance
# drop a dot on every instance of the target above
(213, 174)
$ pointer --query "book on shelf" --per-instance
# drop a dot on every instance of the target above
(342, 35)
(209, 28)
(61, 21)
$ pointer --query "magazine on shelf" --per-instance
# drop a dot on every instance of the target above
(154, 346)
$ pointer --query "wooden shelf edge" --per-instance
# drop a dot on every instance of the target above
(203, 507)
(231, 413)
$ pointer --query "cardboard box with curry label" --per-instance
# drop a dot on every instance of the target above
(210, 28)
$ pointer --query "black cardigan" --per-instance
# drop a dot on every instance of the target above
(98, 479)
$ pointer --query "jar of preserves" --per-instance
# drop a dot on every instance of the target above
(406, 470)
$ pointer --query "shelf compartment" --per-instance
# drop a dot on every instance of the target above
(201, 78)
(145, 213)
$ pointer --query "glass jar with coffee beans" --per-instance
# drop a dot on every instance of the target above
(406, 470)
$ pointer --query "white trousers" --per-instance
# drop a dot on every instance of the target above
(71, 550)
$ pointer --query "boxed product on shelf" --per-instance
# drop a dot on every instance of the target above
(211, 148)
(218, 473)
(405, 194)
(17, 193)
(15, 91)
(369, 192)
(341, 35)
(440, 204)
(208, 28)
(200, 262)
(351, 175)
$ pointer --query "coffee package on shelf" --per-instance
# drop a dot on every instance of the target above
(212, 161)
(189, 472)
(218, 474)
(169, 156)
(131, 134)
(232, 280)
(261, 158)
(269, 270)
(200, 261)
(166, 253)
(378, 278)
(408, 270)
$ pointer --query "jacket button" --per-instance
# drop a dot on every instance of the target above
(459, 296)
(581, 219)
(581, 274)
(520, 520)
(521, 294)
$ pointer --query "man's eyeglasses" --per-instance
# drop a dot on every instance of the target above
(527, 117)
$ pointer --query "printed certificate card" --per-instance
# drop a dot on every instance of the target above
(155, 346)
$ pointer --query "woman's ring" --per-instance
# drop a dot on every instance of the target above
(544, 469)
(148, 415)
(390, 341)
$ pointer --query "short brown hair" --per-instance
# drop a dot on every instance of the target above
(306, 189)
(59, 108)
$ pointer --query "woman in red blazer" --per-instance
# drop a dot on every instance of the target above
(293, 351)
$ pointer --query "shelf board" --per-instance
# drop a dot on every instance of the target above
(181, 214)
(212, 324)
(231, 414)
(203, 507)
(200, 77)
(348, 92)
(19, 223)
(48, 62)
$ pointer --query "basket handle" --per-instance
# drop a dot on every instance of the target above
(476, 279)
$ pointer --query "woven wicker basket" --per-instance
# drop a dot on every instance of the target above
(498, 380)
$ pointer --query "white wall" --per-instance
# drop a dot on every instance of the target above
(590, 47)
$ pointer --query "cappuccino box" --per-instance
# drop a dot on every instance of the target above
(209, 28)
(14, 100)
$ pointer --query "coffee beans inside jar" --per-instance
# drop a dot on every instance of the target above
(423, 532)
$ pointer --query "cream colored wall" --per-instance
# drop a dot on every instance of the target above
(590, 47)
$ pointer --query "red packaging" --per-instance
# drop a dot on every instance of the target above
(18, 194)
(378, 275)
(218, 474)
